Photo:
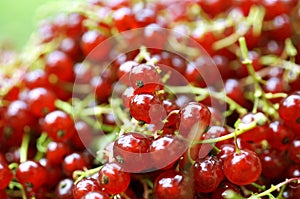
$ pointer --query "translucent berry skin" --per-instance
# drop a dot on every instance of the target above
(130, 150)
(207, 174)
(194, 118)
(112, 179)
(96, 195)
(166, 150)
(146, 108)
(41, 101)
(85, 186)
(172, 183)
(32, 175)
(243, 167)
(58, 125)
(143, 74)
(5, 175)
(64, 189)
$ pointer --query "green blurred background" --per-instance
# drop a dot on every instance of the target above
(18, 19)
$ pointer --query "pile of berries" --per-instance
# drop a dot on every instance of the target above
(154, 99)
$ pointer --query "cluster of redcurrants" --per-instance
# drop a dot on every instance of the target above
(177, 143)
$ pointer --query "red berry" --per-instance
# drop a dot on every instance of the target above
(172, 184)
(113, 179)
(58, 125)
(194, 119)
(243, 167)
(56, 152)
(143, 74)
(166, 150)
(85, 186)
(41, 101)
(94, 46)
(96, 195)
(147, 108)
(294, 150)
(6, 175)
(207, 174)
(130, 150)
(73, 162)
(32, 175)
(59, 65)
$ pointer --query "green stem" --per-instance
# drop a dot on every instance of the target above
(79, 175)
(273, 188)
(24, 147)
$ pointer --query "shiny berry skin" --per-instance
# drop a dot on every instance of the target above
(95, 195)
(243, 167)
(172, 183)
(146, 108)
(225, 151)
(289, 109)
(36, 78)
(166, 150)
(127, 95)
(130, 150)
(73, 162)
(194, 118)
(56, 152)
(143, 74)
(6, 175)
(58, 125)
(41, 101)
(85, 186)
(294, 150)
(18, 115)
(59, 65)
(207, 174)
(32, 175)
(94, 46)
(64, 189)
(124, 71)
(71, 48)
(112, 179)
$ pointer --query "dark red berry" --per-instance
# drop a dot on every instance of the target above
(174, 184)
(113, 179)
(207, 174)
